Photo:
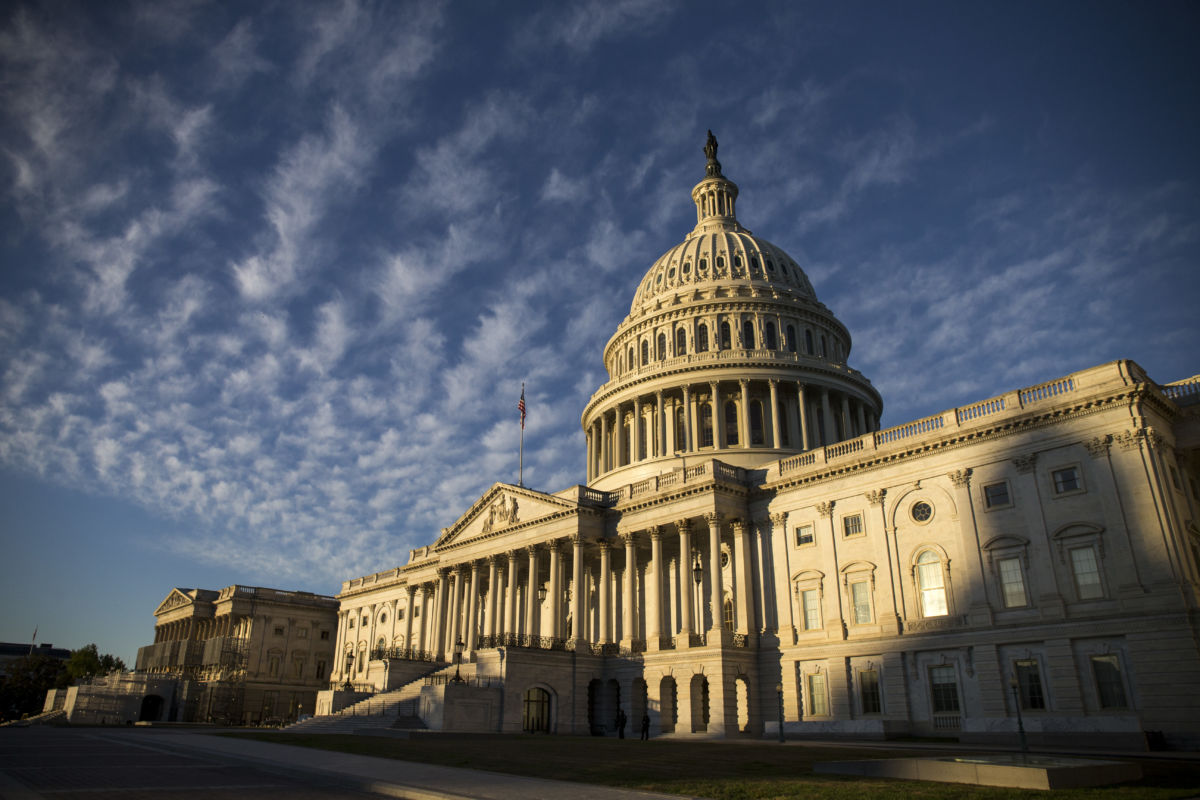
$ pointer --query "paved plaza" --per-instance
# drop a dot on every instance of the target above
(99, 763)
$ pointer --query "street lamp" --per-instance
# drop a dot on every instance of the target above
(1016, 690)
(779, 691)
(458, 651)
(349, 671)
(698, 577)
(542, 593)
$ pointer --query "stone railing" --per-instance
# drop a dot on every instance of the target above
(523, 640)
(402, 654)
(1046, 390)
(480, 681)
(1185, 392)
(359, 687)
(717, 470)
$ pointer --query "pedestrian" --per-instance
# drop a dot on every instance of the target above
(621, 723)
(646, 727)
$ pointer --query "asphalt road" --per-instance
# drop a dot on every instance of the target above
(96, 764)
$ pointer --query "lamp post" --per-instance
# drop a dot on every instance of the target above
(349, 671)
(1016, 690)
(458, 651)
(698, 577)
(779, 692)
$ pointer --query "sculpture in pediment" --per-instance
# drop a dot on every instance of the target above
(503, 511)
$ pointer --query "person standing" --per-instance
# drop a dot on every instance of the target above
(621, 720)
(646, 727)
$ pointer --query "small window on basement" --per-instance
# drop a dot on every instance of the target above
(324, 636)
(279, 630)
(1110, 687)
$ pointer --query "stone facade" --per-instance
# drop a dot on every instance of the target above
(243, 654)
(752, 548)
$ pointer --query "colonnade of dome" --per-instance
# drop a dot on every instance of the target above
(726, 349)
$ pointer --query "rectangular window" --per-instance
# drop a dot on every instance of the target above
(804, 535)
(400, 613)
(320, 670)
(1087, 573)
(279, 630)
(868, 689)
(364, 620)
(860, 596)
(943, 690)
(812, 609)
(1066, 480)
(302, 633)
(1029, 685)
(1109, 686)
(417, 612)
(324, 636)
(818, 702)
(995, 495)
(351, 622)
(273, 666)
(297, 667)
(852, 525)
(1012, 582)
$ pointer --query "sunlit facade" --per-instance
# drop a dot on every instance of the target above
(751, 547)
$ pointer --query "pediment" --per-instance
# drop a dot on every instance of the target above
(502, 507)
(178, 597)
(1005, 540)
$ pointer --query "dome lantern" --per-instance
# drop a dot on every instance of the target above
(715, 195)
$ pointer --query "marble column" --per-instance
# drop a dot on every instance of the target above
(471, 624)
(605, 600)
(510, 596)
(744, 416)
(439, 619)
(456, 601)
(862, 420)
(555, 591)
(531, 592)
(774, 385)
(604, 443)
(578, 624)
(689, 419)
(653, 603)
(409, 593)
(743, 592)
(628, 620)
(683, 577)
(803, 411)
(828, 436)
(662, 427)
(718, 417)
(635, 431)
(489, 611)
(716, 579)
(846, 423)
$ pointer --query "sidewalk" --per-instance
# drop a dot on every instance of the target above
(393, 778)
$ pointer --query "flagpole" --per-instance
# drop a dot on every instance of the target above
(521, 462)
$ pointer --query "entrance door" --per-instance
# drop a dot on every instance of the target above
(152, 708)
(537, 711)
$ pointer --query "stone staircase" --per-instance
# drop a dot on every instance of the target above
(395, 709)
(56, 717)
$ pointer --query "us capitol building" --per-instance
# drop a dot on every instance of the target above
(751, 549)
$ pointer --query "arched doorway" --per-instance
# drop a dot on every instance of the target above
(741, 688)
(152, 708)
(637, 703)
(536, 717)
(593, 708)
(668, 710)
(699, 704)
(610, 706)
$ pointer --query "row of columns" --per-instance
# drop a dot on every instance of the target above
(195, 629)
(812, 416)
(455, 607)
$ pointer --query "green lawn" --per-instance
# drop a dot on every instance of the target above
(719, 770)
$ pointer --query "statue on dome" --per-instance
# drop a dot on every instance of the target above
(713, 167)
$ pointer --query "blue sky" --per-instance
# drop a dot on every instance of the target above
(273, 273)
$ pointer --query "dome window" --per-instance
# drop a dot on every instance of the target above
(720, 262)
(748, 335)
(770, 265)
(680, 341)
(702, 266)
(791, 338)
(782, 266)
(769, 336)
(658, 280)
(645, 352)
(808, 341)
(756, 423)
(686, 268)
(731, 424)
(662, 347)
(737, 261)
(671, 272)
(706, 425)
(702, 338)
(726, 338)
(754, 262)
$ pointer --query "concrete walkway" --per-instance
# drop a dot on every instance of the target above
(395, 778)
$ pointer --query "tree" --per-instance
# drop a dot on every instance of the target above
(23, 689)
(87, 662)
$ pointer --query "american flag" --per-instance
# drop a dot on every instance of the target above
(521, 406)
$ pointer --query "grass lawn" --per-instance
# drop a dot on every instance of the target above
(719, 770)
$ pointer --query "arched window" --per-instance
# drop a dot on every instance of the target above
(680, 430)
(731, 424)
(629, 362)
(381, 644)
(702, 338)
(808, 342)
(535, 717)
(756, 422)
(791, 338)
(748, 335)
(728, 615)
(824, 349)
(785, 433)
(769, 340)
(931, 581)
(645, 352)
(662, 347)
(641, 442)
(680, 341)
(726, 339)
(706, 425)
